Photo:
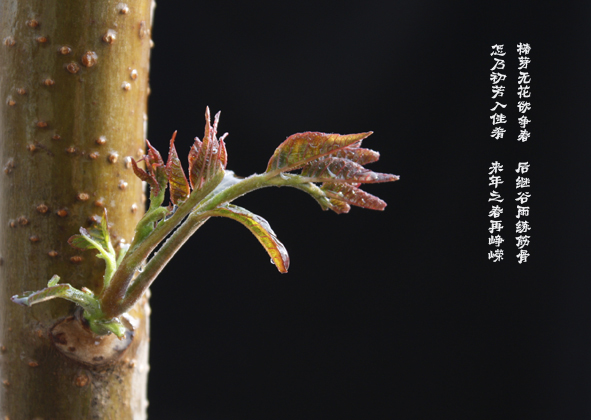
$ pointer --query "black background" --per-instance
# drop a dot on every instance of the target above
(383, 315)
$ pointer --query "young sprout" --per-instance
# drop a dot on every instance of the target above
(329, 167)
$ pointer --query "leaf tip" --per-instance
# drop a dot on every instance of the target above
(55, 279)
(23, 301)
(366, 134)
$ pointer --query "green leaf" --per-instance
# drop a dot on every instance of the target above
(53, 281)
(302, 148)
(342, 170)
(98, 238)
(83, 241)
(146, 226)
(91, 305)
(261, 229)
(209, 157)
(179, 187)
(105, 326)
(86, 240)
(100, 233)
(64, 291)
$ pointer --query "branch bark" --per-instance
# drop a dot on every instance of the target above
(73, 93)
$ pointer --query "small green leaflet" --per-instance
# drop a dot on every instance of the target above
(53, 281)
(98, 238)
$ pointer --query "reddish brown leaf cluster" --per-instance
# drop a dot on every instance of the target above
(336, 161)
(206, 159)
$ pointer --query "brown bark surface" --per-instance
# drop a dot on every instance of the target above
(73, 91)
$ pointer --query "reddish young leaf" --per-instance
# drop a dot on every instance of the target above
(259, 228)
(144, 176)
(216, 120)
(302, 148)
(206, 158)
(179, 187)
(342, 170)
(197, 144)
(349, 194)
(358, 154)
(223, 153)
(199, 163)
(193, 154)
(153, 161)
